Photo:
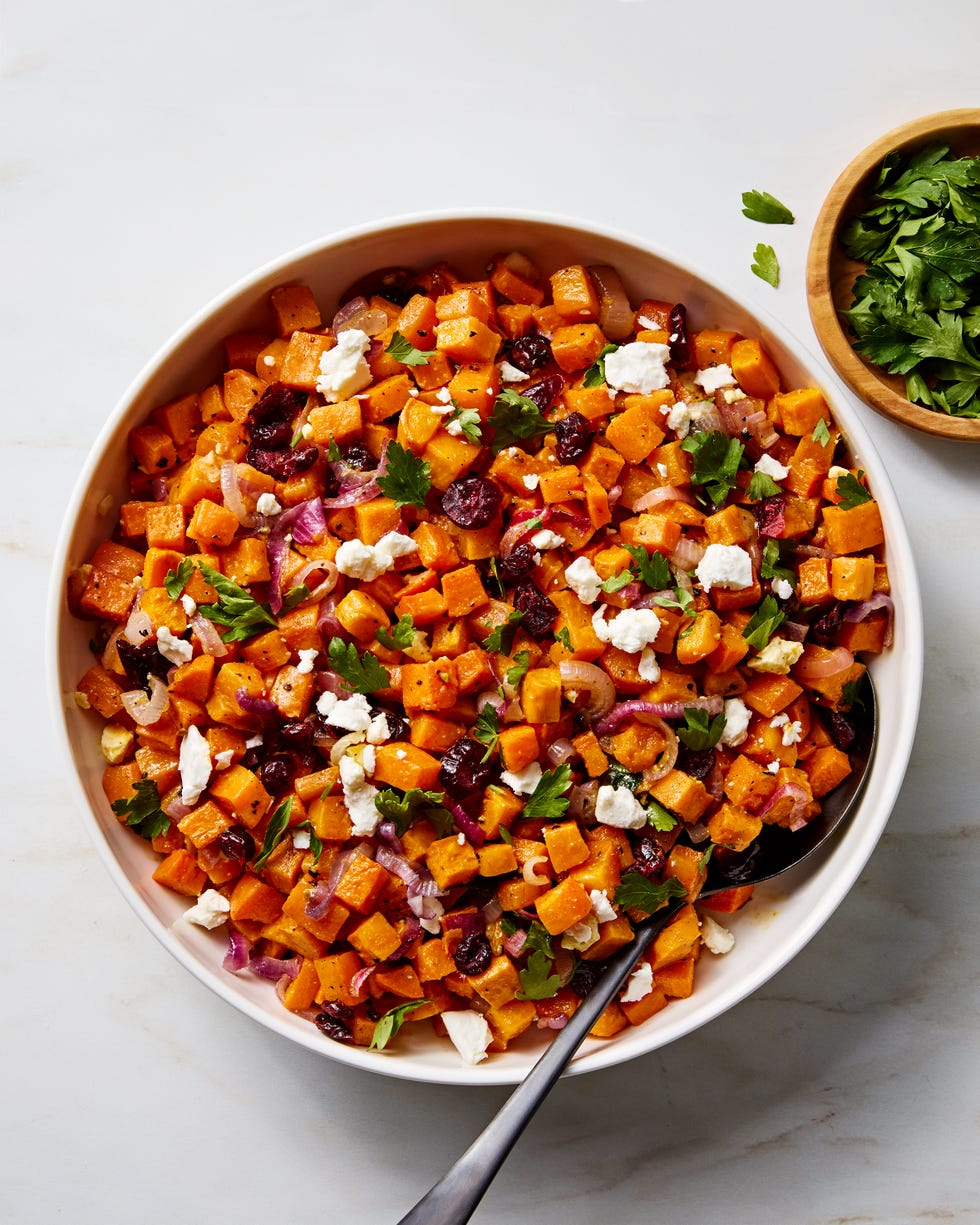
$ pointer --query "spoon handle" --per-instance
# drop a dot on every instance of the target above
(453, 1199)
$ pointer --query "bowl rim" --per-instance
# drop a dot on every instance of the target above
(862, 837)
(873, 385)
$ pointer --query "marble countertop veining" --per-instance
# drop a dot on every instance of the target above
(150, 155)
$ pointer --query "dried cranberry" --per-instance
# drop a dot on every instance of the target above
(236, 844)
(518, 565)
(842, 730)
(275, 774)
(463, 769)
(827, 626)
(297, 735)
(770, 515)
(680, 344)
(271, 435)
(278, 403)
(252, 758)
(473, 954)
(574, 438)
(332, 1022)
(359, 458)
(398, 728)
(539, 612)
(649, 855)
(140, 663)
(471, 501)
(697, 762)
(545, 393)
(528, 353)
(585, 977)
(283, 464)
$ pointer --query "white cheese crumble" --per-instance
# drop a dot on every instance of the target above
(444, 395)
(725, 565)
(359, 797)
(301, 839)
(194, 764)
(353, 714)
(648, 667)
(254, 742)
(368, 561)
(630, 630)
(510, 374)
(210, 910)
(792, 731)
(531, 481)
(782, 588)
(737, 716)
(777, 656)
(640, 983)
(618, 806)
(601, 907)
(175, 650)
(732, 396)
(717, 939)
(116, 742)
(773, 767)
(378, 731)
(651, 325)
(638, 367)
(522, 782)
(268, 504)
(546, 539)
(343, 370)
(306, 657)
(224, 759)
(584, 580)
(679, 420)
(581, 936)
(188, 604)
(469, 1033)
(771, 467)
(714, 378)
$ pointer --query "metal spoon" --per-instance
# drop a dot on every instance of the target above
(453, 1199)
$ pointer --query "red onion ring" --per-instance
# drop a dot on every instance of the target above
(139, 627)
(466, 825)
(801, 801)
(875, 604)
(576, 674)
(273, 968)
(636, 708)
(663, 493)
(559, 752)
(232, 495)
(813, 668)
(146, 710)
(615, 312)
(208, 636)
(321, 895)
(237, 956)
(253, 705)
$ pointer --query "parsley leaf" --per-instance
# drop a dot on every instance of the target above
(652, 567)
(522, 661)
(635, 892)
(275, 831)
(399, 636)
(486, 729)
(177, 580)
(537, 981)
(295, 596)
(404, 351)
(143, 812)
(470, 422)
(405, 808)
(539, 939)
(391, 1022)
(716, 462)
(616, 582)
(765, 265)
(564, 638)
(360, 673)
(761, 206)
(763, 623)
(547, 799)
(241, 612)
(515, 419)
(850, 491)
(595, 376)
(701, 731)
(662, 819)
(316, 846)
(407, 479)
(821, 433)
(619, 776)
(762, 486)
(769, 565)
(501, 637)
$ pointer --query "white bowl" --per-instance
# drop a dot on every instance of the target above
(783, 916)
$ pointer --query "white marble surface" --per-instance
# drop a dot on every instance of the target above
(149, 155)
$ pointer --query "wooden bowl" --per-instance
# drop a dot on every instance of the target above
(831, 274)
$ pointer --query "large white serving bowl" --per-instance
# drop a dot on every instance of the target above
(783, 916)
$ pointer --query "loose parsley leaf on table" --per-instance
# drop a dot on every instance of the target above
(636, 892)
(143, 812)
(391, 1023)
(398, 636)
(515, 419)
(360, 673)
(407, 480)
(404, 351)
(548, 799)
(240, 612)
(765, 265)
(761, 206)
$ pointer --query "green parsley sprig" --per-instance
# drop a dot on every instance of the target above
(360, 673)
(515, 419)
(236, 608)
(407, 478)
(142, 811)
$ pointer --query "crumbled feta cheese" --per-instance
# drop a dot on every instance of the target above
(325, 703)
(175, 650)
(584, 580)
(455, 428)
(651, 325)
(353, 714)
(662, 471)
(378, 731)
(307, 431)
(306, 657)
(418, 649)
(531, 481)
(836, 472)
(522, 782)
(188, 604)
(737, 716)
(581, 936)
(210, 910)
(359, 797)
(630, 630)
(714, 378)
(268, 360)
(461, 839)
(648, 667)
(618, 806)
(469, 1033)
(369, 561)
(716, 939)
(773, 767)
(792, 732)
(116, 741)
(194, 764)
(368, 755)
(638, 367)
(268, 504)
(224, 759)
(343, 370)
(727, 566)
(444, 395)
(640, 983)
(679, 420)
(510, 374)
(782, 588)
(301, 839)
(601, 908)
(733, 396)
(771, 467)
(546, 539)
(778, 656)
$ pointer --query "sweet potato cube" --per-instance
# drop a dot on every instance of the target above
(852, 578)
(676, 980)
(436, 548)
(300, 366)
(754, 369)
(636, 432)
(417, 322)
(301, 992)
(611, 1020)
(293, 306)
(748, 784)
(424, 607)
(499, 982)
(510, 1020)
(638, 1011)
(799, 411)
(700, 638)
(430, 686)
(239, 790)
(686, 796)
(432, 961)
(374, 938)
(223, 705)
(476, 385)
(573, 293)
(496, 859)
(518, 746)
(361, 884)
(180, 872)
(566, 846)
(813, 586)
(500, 808)
(449, 458)
(340, 423)
(292, 691)
(713, 347)
(336, 972)
(769, 693)
(589, 749)
(330, 818)
(252, 900)
(563, 906)
(463, 591)
(361, 615)
(826, 768)
(541, 691)
(205, 822)
(467, 339)
(727, 901)
(733, 827)
(450, 863)
(152, 449)
(401, 764)
(400, 980)
(678, 939)
(387, 397)
(211, 525)
(576, 346)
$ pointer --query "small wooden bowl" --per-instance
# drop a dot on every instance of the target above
(831, 274)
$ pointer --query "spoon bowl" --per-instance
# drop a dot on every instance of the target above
(454, 1198)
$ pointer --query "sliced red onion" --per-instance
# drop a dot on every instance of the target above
(635, 708)
(355, 487)
(467, 922)
(231, 492)
(663, 493)
(581, 800)
(590, 679)
(794, 631)
(520, 527)
(559, 752)
(761, 429)
(492, 698)
(667, 759)
(253, 705)
(358, 313)
(492, 910)
(555, 1022)
(615, 312)
(353, 495)
(417, 878)
(411, 933)
(812, 668)
(146, 710)
(688, 553)
(237, 956)
(176, 810)
(514, 944)
(614, 495)
(139, 627)
(326, 621)
(329, 582)
(273, 968)
(158, 486)
(801, 801)
(466, 825)
(207, 636)
(304, 523)
(387, 833)
(110, 654)
(321, 895)
(876, 603)
(698, 832)
(530, 873)
(811, 550)
(360, 978)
